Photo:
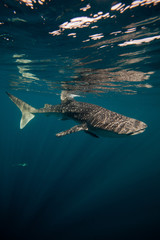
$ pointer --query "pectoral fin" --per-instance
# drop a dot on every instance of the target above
(77, 128)
(92, 134)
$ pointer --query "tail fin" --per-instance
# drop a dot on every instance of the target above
(25, 108)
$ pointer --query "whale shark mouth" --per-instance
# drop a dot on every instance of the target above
(137, 132)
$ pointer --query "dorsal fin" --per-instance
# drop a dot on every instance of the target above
(65, 96)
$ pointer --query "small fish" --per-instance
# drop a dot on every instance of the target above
(20, 165)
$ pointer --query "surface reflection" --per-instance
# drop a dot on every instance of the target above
(86, 48)
(31, 3)
(25, 75)
(87, 80)
(114, 80)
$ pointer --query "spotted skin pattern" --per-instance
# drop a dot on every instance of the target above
(97, 117)
(89, 116)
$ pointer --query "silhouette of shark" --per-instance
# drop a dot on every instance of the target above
(92, 119)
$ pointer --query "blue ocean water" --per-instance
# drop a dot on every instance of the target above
(77, 186)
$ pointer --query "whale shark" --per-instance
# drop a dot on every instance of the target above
(92, 119)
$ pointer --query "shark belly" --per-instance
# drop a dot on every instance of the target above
(110, 134)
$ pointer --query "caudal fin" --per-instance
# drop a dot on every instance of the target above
(25, 108)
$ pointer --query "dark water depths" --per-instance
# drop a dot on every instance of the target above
(79, 187)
